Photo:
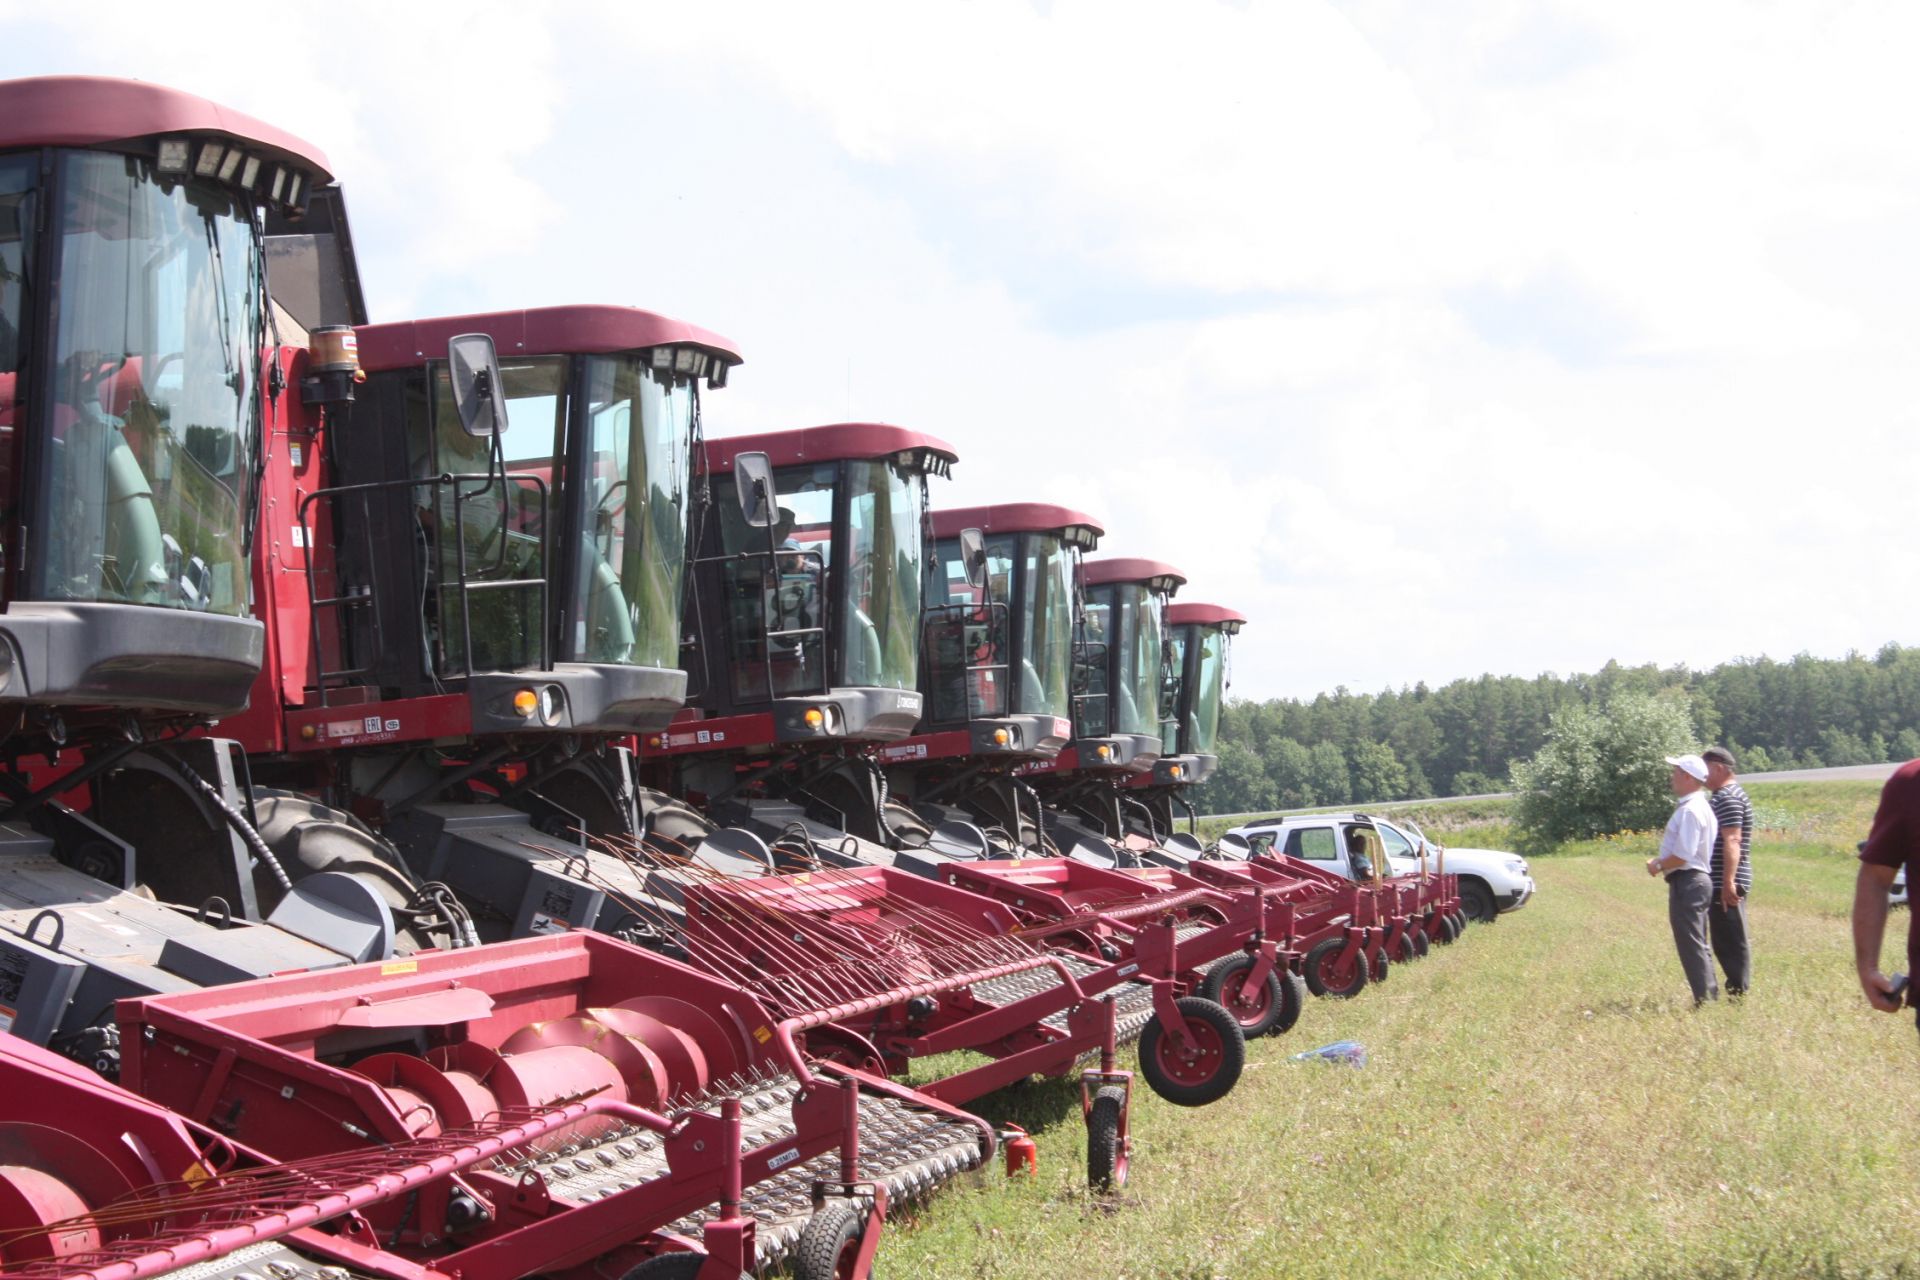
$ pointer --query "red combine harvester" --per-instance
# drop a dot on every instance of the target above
(997, 673)
(475, 575)
(139, 368)
(808, 584)
(1199, 637)
(696, 1115)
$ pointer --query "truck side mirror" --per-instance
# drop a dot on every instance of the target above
(973, 555)
(479, 396)
(753, 486)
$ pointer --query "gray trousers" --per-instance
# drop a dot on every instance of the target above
(1688, 893)
(1728, 929)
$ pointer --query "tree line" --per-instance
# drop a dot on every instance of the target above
(1463, 738)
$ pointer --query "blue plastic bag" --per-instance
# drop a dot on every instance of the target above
(1349, 1053)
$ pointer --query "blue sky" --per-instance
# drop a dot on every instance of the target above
(1437, 339)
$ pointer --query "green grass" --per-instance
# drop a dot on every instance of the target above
(1541, 1101)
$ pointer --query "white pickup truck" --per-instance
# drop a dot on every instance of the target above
(1492, 882)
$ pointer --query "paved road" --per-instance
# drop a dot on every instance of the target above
(1840, 773)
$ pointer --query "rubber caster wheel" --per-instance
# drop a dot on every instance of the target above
(1206, 1073)
(1322, 974)
(1107, 1158)
(829, 1244)
(1256, 1008)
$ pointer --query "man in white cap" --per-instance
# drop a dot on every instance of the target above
(1685, 858)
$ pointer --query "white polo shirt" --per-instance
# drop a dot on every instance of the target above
(1689, 834)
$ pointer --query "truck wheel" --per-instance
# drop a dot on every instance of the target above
(829, 1244)
(1207, 1073)
(1323, 975)
(1476, 900)
(1256, 1008)
(1106, 1153)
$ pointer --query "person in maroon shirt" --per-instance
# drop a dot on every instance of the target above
(1893, 843)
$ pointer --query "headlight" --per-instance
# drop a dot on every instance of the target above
(1517, 865)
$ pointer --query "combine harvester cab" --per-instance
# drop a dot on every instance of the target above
(141, 381)
(695, 1119)
(1120, 683)
(997, 668)
(810, 577)
(489, 611)
(1199, 641)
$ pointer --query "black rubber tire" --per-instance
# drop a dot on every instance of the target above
(1459, 923)
(1106, 1163)
(1449, 930)
(828, 1243)
(1421, 943)
(671, 1266)
(1293, 1001)
(1476, 900)
(1254, 1021)
(1378, 963)
(1409, 949)
(1321, 953)
(1218, 1033)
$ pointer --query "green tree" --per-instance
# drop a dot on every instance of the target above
(1239, 783)
(1377, 774)
(1290, 767)
(1327, 774)
(1602, 769)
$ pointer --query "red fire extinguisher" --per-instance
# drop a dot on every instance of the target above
(1023, 1154)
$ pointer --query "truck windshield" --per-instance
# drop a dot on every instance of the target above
(880, 577)
(1046, 626)
(1210, 679)
(633, 548)
(152, 416)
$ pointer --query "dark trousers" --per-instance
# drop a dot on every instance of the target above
(1727, 926)
(1688, 893)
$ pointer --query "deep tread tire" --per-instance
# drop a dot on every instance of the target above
(1476, 900)
(1194, 1083)
(1317, 969)
(671, 1266)
(1106, 1162)
(828, 1243)
(1257, 1012)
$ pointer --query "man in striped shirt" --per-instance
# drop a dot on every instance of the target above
(1732, 871)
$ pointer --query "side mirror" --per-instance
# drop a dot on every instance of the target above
(753, 486)
(479, 396)
(973, 555)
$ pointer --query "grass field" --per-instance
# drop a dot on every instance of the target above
(1541, 1101)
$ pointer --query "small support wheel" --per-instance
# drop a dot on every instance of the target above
(1256, 1007)
(671, 1266)
(1206, 1073)
(1322, 970)
(1421, 943)
(1409, 949)
(1459, 922)
(829, 1244)
(1379, 963)
(1293, 1001)
(1107, 1158)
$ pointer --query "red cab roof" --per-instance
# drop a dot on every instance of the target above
(1204, 615)
(542, 331)
(1094, 573)
(827, 444)
(86, 111)
(1013, 517)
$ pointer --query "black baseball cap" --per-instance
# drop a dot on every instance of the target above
(1718, 755)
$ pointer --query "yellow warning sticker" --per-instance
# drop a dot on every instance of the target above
(399, 966)
(762, 1034)
(196, 1174)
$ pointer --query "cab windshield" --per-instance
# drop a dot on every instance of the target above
(1210, 680)
(152, 417)
(1176, 693)
(965, 661)
(1046, 626)
(633, 548)
(1126, 618)
(880, 618)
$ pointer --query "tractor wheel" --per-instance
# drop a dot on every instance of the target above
(1476, 900)
(1255, 1008)
(671, 1266)
(829, 1244)
(1106, 1154)
(1421, 943)
(1322, 975)
(1193, 1078)
(1379, 963)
